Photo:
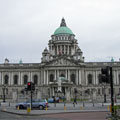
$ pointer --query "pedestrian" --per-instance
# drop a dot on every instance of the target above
(54, 100)
(75, 101)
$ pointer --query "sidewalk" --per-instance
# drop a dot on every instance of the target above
(45, 112)
(69, 108)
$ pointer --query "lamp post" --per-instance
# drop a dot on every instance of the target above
(4, 89)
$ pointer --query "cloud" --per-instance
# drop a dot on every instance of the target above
(26, 27)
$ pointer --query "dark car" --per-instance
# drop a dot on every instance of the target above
(38, 103)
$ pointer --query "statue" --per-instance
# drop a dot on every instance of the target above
(59, 84)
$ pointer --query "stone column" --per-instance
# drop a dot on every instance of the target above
(116, 77)
(76, 77)
(68, 50)
(80, 77)
(53, 91)
(47, 77)
(21, 78)
(94, 77)
(66, 74)
(10, 79)
(86, 74)
(31, 78)
(0, 79)
(44, 77)
(55, 75)
(69, 75)
(57, 50)
(117, 74)
(58, 73)
(64, 49)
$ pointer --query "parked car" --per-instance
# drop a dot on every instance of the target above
(37, 103)
(53, 100)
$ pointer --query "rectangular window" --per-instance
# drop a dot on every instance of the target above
(98, 91)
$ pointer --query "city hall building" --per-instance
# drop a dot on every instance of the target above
(62, 72)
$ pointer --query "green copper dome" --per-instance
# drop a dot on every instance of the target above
(63, 29)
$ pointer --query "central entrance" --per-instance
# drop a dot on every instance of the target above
(61, 87)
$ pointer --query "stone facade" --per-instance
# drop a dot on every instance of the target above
(62, 72)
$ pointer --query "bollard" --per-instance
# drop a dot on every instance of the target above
(9, 104)
(111, 108)
(28, 109)
(46, 108)
(64, 106)
(93, 104)
(0, 103)
(102, 104)
(54, 104)
(81, 108)
(18, 108)
(83, 104)
(73, 104)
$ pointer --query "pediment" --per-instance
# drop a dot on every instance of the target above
(61, 62)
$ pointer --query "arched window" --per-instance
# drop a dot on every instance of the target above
(15, 79)
(73, 78)
(6, 78)
(51, 78)
(90, 77)
(99, 79)
(35, 79)
(6, 90)
(62, 75)
(119, 79)
(98, 91)
(25, 79)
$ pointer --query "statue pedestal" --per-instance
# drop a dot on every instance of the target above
(94, 95)
(14, 96)
(68, 95)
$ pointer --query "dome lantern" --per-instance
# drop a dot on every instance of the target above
(63, 29)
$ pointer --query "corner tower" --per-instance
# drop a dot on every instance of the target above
(63, 43)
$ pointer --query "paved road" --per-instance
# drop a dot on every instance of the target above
(80, 116)
(8, 116)
(65, 116)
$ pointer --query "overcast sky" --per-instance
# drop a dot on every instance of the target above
(26, 27)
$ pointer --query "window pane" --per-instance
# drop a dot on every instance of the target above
(51, 78)
(25, 79)
(35, 79)
(15, 79)
(6, 79)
